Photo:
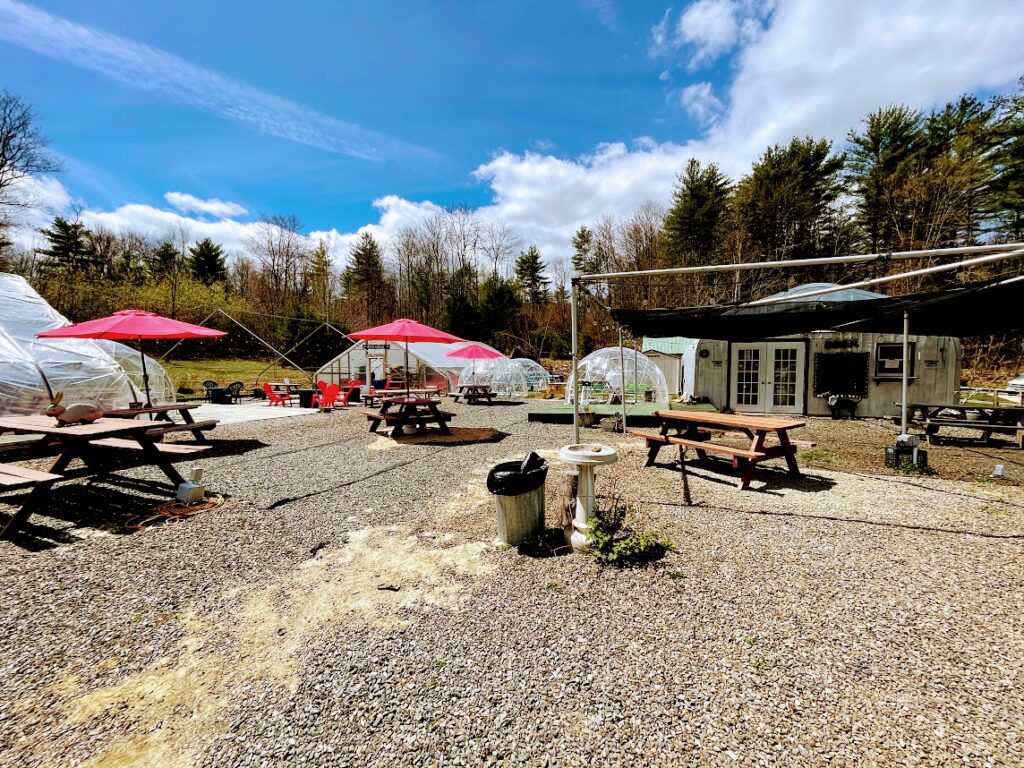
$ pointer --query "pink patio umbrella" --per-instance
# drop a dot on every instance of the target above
(474, 351)
(133, 324)
(406, 331)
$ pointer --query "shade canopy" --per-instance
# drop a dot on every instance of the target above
(132, 324)
(475, 351)
(404, 330)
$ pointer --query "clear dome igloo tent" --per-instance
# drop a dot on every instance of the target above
(536, 376)
(32, 370)
(161, 388)
(601, 378)
(501, 375)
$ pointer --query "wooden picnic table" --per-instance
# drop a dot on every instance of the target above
(163, 415)
(400, 411)
(287, 386)
(474, 393)
(554, 389)
(97, 445)
(1007, 419)
(377, 396)
(695, 429)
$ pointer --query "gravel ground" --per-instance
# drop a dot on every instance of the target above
(345, 607)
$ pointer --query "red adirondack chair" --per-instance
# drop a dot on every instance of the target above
(276, 398)
(349, 391)
(327, 395)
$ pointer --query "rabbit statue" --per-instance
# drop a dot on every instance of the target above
(76, 413)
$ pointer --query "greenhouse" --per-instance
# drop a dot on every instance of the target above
(602, 380)
(33, 370)
(536, 377)
(374, 361)
(501, 375)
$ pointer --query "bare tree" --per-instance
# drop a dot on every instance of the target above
(281, 251)
(498, 243)
(182, 236)
(22, 149)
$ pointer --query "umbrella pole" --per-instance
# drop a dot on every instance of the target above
(145, 375)
(407, 393)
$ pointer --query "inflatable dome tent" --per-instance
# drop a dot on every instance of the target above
(33, 370)
(536, 376)
(502, 375)
(601, 378)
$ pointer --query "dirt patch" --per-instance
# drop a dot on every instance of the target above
(376, 577)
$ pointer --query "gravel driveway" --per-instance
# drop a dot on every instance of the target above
(345, 607)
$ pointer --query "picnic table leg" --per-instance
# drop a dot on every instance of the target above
(749, 466)
(150, 451)
(186, 416)
(794, 468)
(27, 508)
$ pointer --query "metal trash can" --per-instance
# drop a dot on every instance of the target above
(518, 490)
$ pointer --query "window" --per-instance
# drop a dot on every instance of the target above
(841, 373)
(889, 360)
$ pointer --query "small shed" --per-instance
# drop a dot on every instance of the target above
(667, 353)
(817, 372)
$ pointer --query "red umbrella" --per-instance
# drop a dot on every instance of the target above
(475, 351)
(405, 330)
(133, 324)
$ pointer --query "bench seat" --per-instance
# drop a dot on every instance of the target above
(700, 445)
(428, 417)
(125, 444)
(165, 428)
(13, 476)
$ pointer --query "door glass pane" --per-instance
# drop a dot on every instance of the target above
(784, 389)
(748, 376)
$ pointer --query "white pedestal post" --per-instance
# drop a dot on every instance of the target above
(586, 456)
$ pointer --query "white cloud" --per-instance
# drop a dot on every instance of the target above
(213, 207)
(707, 29)
(604, 10)
(150, 69)
(700, 101)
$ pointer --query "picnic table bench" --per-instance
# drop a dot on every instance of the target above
(100, 446)
(416, 411)
(1004, 419)
(161, 416)
(695, 429)
(377, 396)
(473, 393)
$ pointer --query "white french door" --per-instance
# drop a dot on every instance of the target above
(768, 377)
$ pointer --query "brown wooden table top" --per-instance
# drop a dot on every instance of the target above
(47, 425)
(730, 420)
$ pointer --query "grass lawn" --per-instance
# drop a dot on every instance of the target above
(192, 373)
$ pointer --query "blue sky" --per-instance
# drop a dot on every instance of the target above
(543, 114)
(458, 79)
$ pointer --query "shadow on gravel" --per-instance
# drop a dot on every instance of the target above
(226, 448)
(551, 544)
(95, 506)
(458, 436)
(772, 478)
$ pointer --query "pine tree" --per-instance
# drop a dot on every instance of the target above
(68, 250)
(530, 275)
(163, 259)
(583, 249)
(321, 281)
(693, 229)
(364, 281)
(206, 262)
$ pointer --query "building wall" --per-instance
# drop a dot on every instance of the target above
(936, 371)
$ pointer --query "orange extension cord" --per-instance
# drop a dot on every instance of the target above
(173, 512)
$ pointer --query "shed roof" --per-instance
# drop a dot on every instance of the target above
(667, 345)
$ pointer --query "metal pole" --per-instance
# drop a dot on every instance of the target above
(853, 259)
(622, 379)
(575, 359)
(905, 382)
(889, 278)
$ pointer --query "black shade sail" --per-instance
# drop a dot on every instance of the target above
(971, 310)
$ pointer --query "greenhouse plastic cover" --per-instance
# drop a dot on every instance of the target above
(601, 375)
(501, 375)
(32, 370)
(536, 377)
